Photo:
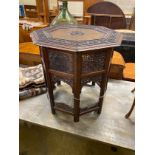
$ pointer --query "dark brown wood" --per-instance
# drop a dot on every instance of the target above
(87, 4)
(59, 83)
(96, 73)
(77, 84)
(90, 109)
(104, 81)
(63, 108)
(76, 65)
(58, 73)
(93, 83)
(44, 58)
(133, 90)
(107, 14)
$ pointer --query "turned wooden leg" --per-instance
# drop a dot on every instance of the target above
(50, 94)
(101, 99)
(77, 85)
(93, 83)
(50, 89)
(52, 100)
(76, 107)
(58, 83)
(103, 86)
(76, 110)
(100, 104)
(49, 82)
(133, 90)
(53, 111)
(131, 109)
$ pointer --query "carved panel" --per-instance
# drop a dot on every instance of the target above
(60, 61)
(93, 62)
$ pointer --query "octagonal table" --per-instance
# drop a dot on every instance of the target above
(76, 54)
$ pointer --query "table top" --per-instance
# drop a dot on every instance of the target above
(76, 38)
(109, 127)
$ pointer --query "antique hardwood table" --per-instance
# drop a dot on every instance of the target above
(76, 55)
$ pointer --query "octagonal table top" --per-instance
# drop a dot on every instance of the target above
(76, 38)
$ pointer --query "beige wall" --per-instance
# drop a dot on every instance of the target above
(126, 5)
(28, 2)
(76, 8)
(33, 2)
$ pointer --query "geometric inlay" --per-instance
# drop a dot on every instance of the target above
(76, 37)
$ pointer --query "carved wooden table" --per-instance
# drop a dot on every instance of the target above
(76, 54)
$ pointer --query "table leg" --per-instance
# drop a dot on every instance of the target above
(77, 85)
(103, 85)
(50, 92)
(93, 83)
(58, 83)
(49, 82)
(76, 107)
(100, 100)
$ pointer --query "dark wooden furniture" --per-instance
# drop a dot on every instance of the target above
(87, 4)
(110, 15)
(107, 14)
(76, 54)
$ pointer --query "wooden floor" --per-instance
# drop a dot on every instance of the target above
(109, 127)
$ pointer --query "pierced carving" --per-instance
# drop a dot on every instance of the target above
(55, 79)
(93, 62)
(96, 79)
(60, 61)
